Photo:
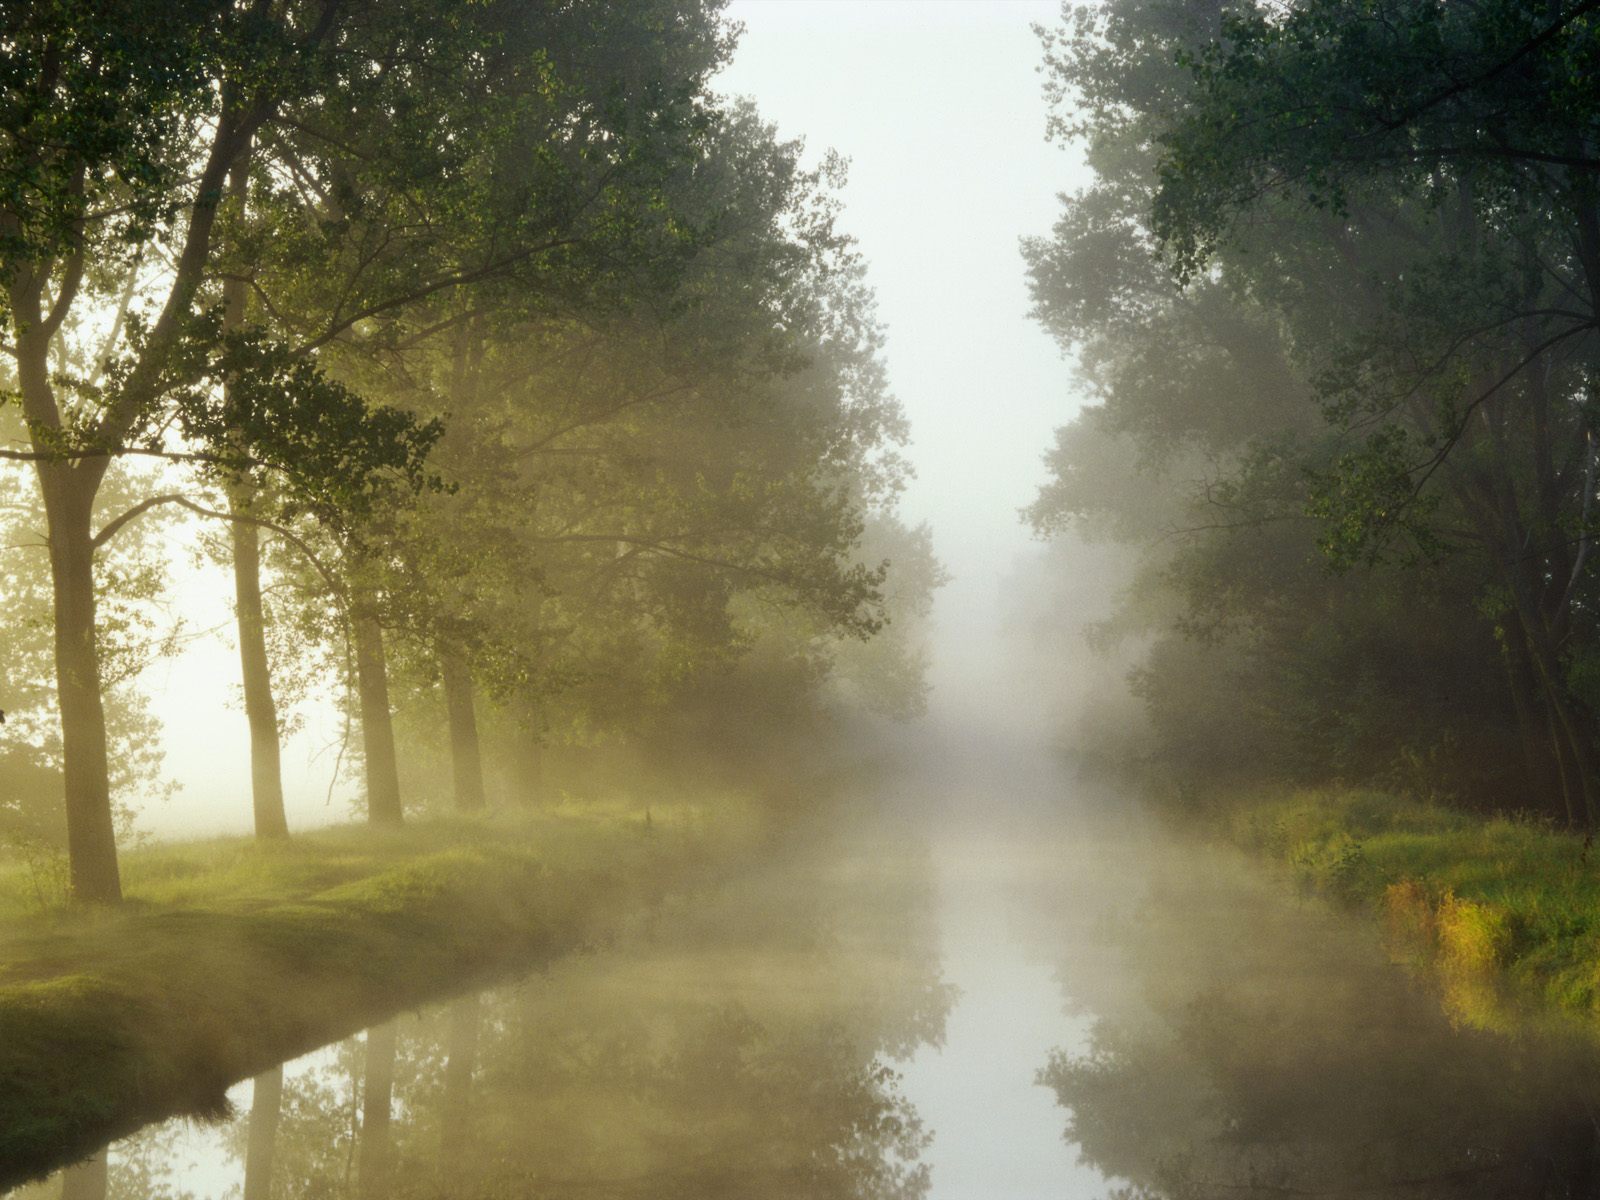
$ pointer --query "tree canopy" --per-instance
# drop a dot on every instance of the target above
(1332, 289)
(517, 362)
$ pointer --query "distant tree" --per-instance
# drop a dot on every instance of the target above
(637, 468)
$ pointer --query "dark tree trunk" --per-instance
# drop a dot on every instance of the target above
(266, 1106)
(1577, 724)
(69, 488)
(1542, 636)
(91, 835)
(377, 1097)
(377, 720)
(1546, 775)
(1558, 753)
(266, 770)
(466, 755)
(1573, 723)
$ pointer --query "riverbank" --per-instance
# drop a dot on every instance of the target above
(231, 955)
(1505, 911)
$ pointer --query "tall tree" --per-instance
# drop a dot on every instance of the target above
(530, 166)
(639, 472)
(123, 124)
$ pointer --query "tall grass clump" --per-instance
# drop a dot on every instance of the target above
(1496, 906)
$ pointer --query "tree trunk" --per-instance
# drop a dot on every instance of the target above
(377, 721)
(456, 1122)
(377, 1098)
(1559, 753)
(68, 489)
(530, 781)
(86, 1180)
(1546, 774)
(1571, 719)
(70, 485)
(91, 835)
(266, 1106)
(1577, 729)
(266, 769)
(466, 756)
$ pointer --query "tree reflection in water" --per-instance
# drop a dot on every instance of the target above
(86, 1180)
(741, 1044)
(266, 1108)
(1247, 1046)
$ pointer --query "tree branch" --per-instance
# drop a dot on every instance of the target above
(72, 278)
(458, 279)
(1547, 34)
(111, 528)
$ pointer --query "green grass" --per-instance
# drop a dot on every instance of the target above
(230, 955)
(1506, 900)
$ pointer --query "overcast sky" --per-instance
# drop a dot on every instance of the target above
(937, 105)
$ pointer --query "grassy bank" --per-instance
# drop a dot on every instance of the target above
(1505, 911)
(230, 955)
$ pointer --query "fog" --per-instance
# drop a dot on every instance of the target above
(912, 600)
(1064, 1001)
(983, 387)
(938, 108)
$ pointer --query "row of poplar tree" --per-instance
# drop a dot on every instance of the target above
(500, 353)
(1335, 288)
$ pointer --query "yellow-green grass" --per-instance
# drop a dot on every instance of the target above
(231, 955)
(1476, 898)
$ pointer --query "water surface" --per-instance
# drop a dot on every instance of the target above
(1022, 989)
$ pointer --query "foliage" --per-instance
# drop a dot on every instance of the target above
(644, 497)
(522, 350)
(1507, 901)
(1335, 328)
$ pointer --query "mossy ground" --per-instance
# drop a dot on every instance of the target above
(230, 955)
(1504, 901)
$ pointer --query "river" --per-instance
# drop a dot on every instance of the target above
(1012, 986)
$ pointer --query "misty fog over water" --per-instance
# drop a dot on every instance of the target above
(1035, 1001)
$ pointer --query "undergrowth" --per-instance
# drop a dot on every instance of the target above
(1505, 909)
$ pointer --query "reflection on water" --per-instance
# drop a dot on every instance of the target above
(1197, 1033)
(996, 1133)
(738, 1045)
(1247, 1045)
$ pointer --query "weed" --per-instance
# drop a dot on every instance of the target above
(1489, 901)
(44, 875)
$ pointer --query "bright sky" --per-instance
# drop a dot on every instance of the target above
(937, 105)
